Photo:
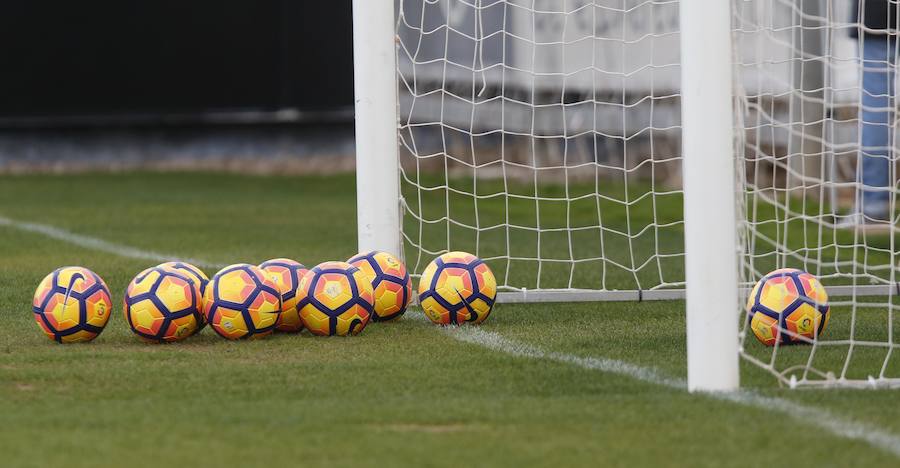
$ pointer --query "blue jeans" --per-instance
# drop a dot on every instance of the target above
(876, 120)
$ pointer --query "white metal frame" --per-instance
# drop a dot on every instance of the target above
(710, 224)
(377, 152)
(708, 171)
(677, 294)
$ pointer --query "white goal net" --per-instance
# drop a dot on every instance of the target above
(545, 137)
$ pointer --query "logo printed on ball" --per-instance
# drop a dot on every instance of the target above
(333, 289)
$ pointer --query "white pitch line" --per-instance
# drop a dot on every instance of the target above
(99, 244)
(838, 426)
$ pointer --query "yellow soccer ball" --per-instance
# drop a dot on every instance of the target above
(457, 288)
(391, 284)
(336, 299)
(286, 273)
(241, 301)
(71, 305)
(162, 305)
(788, 306)
(200, 281)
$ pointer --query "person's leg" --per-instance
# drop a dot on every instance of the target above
(875, 125)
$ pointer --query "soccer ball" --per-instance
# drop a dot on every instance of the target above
(162, 305)
(457, 288)
(71, 304)
(390, 283)
(788, 306)
(286, 273)
(337, 299)
(200, 281)
(241, 301)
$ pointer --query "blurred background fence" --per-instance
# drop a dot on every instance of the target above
(267, 85)
(238, 84)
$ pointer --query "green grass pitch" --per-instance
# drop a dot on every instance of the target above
(404, 393)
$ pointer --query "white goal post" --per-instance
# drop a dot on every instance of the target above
(630, 150)
(710, 233)
(377, 153)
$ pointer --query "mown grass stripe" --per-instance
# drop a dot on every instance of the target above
(101, 245)
(836, 425)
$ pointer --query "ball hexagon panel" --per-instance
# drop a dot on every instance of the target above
(390, 265)
(143, 283)
(190, 271)
(145, 318)
(316, 321)
(803, 322)
(366, 265)
(80, 336)
(389, 298)
(180, 328)
(765, 328)
(43, 290)
(487, 283)
(333, 290)
(44, 327)
(813, 288)
(454, 284)
(434, 311)
(264, 310)
(235, 286)
(481, 308)
(351, 322)
(778, 293)
(98, 306)
(751, 299)
(364, 290)
(229, 323)
(78, 279)
(62, 312)
(199, 279)
(176, 293)
(783, 272)
(427, 277)
(286, 274)
(458, 257)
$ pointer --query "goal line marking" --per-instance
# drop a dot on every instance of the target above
(491, 340)
(836, 425)
(95, 243)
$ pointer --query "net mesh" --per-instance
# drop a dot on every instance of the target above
(544, 136)
(808, 113)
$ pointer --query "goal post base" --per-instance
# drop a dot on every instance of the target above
(522, 296)
(807, 377)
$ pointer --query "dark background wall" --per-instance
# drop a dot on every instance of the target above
(152, 58)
